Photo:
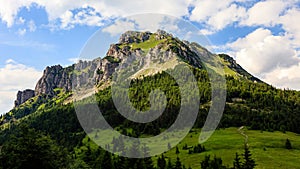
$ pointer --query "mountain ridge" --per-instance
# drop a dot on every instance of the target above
(155, 46)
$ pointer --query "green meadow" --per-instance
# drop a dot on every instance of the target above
(267, 148)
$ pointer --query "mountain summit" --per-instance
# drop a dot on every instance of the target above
(154, 52)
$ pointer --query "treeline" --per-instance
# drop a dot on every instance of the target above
(30, 148)
(253, 104)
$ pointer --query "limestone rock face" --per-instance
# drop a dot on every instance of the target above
(53, 77)
(83, 73)
(134, 37)
(23, 96)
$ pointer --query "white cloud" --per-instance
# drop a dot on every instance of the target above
(145, 22)
(110, 8)
(85, 16)
(21, 32)
(206, 8)
(206, 32)
(15, 76)
(268, 56)
(227, 16)
(56, 9)
(21, 20)
(9, 10)
(74, 60)
(119, 26)
(31, 26)
(290, 24)
(285, 77)
(217, 14)
(66, 19)
(265, 13)
(261, 52)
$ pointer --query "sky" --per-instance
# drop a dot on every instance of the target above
(263, 36)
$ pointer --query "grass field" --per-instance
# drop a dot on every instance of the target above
(267, 148)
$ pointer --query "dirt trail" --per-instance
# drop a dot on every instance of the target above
(241, 131)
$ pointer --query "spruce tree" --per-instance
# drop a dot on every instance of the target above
(288, 144)
(178, 164)
(107, 161)
(205, 162)
(161, 162)
(237, 163)
(249, 163)
(177, 150)
(170, 165)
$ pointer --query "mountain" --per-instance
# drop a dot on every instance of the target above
(155, 46)
(144, 58)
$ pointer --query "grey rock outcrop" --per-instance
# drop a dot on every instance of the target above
(83, 73)
(134, 37)
(53, 77)
(23, 96)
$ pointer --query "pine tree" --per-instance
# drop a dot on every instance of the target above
(107, 161)
(205, 162)
(177, 150)
(161, 162)
(170, 165)
(178, 164)
(288, 144)
(216, 163)
(237, 163)
(249, 163)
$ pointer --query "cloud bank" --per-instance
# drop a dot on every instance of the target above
(15, 76)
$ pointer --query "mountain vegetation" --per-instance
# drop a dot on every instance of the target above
(44, 132)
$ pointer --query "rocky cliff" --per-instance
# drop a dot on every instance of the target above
(77, 75)
(23, 96)
(53, 77)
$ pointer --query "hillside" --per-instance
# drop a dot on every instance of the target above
(49, 109)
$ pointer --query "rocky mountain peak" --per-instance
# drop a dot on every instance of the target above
(53, 77)
(134, 37)
(23, 96)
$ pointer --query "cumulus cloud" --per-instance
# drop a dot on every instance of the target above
(31, 26)
(21, 32)
(57, 9)
(229, 15)
(217, 14)
(144, 22)
(20, 21)
(288, 78)
(9, 10)
(119, 27)
(267, 56)
(290, 24)
(205, 9)
(15, 76)
(265, 13)
(86, 16)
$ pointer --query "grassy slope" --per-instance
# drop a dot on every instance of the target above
(226, 142)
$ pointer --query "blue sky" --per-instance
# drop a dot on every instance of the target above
(263, 36)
